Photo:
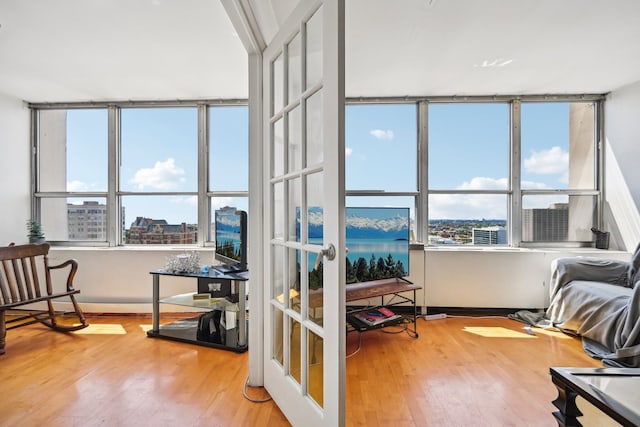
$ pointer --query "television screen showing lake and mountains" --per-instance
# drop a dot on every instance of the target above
(228, 234)
(377, 241)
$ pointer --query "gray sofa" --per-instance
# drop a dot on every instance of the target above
(599, 300)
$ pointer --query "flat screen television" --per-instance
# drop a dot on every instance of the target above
(377, 240)
(231, 239)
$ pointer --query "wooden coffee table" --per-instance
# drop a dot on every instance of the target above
(614, 391)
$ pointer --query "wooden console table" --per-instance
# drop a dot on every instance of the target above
(381, 288)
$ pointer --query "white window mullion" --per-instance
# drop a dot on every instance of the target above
(114, 215)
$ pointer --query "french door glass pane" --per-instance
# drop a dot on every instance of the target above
(277, 352)
(295, 201)
(316, 367)
(277, 273)
(295, 68)
(278, 148)
(294, 279)
(278, 210)
(314, 49)
(294, 350)
(278, 86)
(314, 296)
(295, 139)
(314, 129)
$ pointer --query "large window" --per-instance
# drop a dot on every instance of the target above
(134, 174)
(513, 171)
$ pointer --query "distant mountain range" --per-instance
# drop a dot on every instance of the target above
(365, 227)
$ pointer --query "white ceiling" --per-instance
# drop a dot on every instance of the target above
(100, 50)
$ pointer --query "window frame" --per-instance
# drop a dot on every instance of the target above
(514, 192)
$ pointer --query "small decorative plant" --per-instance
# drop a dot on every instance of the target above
(34, 231)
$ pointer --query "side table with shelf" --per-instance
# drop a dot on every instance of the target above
(223, 323)
(394, 287)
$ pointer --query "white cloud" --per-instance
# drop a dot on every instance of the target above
(186, 200)
(484, 183)
(532, 185)
(475, 206)
(546, 162)
(348, 151)
(221, 202)
(163, 176)
(542, 202)
(382, 134)
(77, 186)
(467, 206)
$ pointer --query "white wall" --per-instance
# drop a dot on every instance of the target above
(622, 166)
(117, 280)
(15, 167)
(494, 278)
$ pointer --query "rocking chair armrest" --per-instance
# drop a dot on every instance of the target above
(72, 272)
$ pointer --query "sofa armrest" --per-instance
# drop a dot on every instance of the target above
(564, 270)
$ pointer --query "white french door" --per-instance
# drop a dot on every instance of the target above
(304, 345)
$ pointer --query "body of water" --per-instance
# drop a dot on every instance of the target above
(363, 248)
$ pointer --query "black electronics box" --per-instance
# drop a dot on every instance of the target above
(218, 288)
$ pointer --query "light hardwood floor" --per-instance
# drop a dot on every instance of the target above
(459, 372)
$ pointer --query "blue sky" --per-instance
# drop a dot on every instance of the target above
(159, 154)
(468, 150)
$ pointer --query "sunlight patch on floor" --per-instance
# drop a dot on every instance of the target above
(102, 329)
(146, 328)
(552, 333)
(496, 332)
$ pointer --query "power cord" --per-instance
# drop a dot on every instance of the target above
(358, 348)
(250, 399)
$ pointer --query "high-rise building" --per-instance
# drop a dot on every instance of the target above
(489, 236)
(87, 221)
(546, 225)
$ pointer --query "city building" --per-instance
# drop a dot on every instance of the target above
(87, 221)
(546, 225)
(147, 231)
(490, 236)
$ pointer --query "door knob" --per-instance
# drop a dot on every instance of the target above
(329, 253)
